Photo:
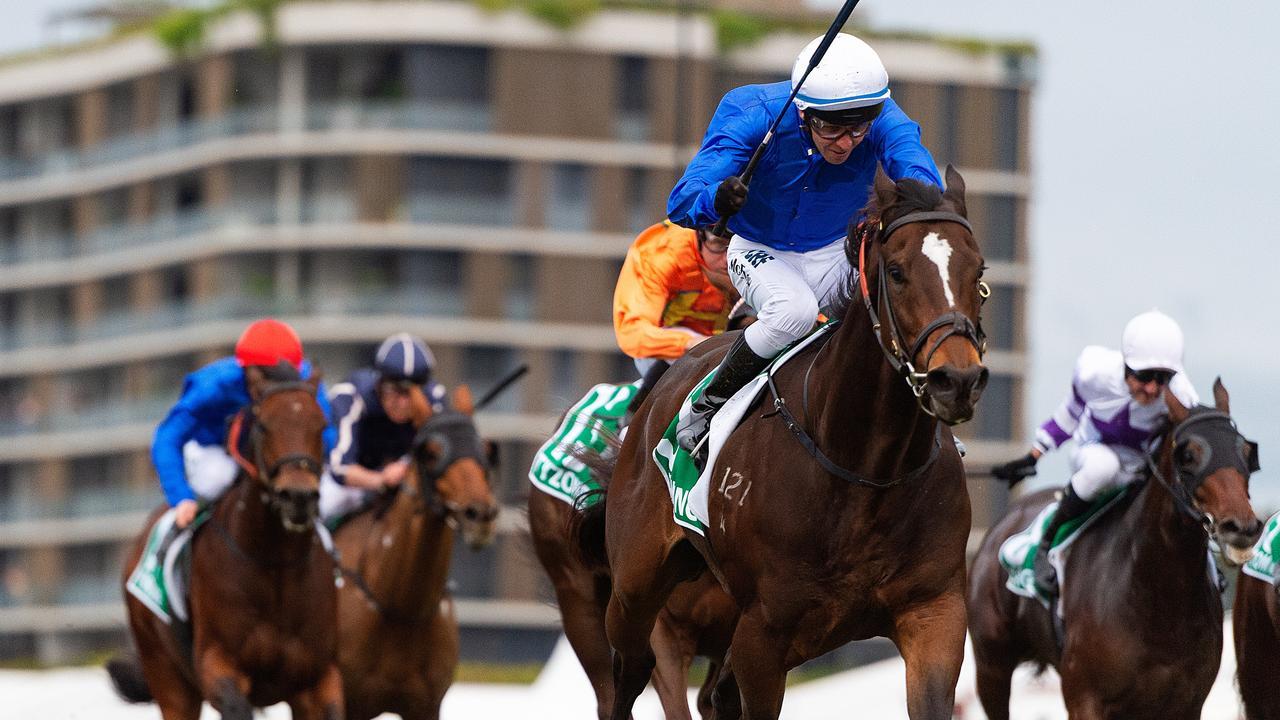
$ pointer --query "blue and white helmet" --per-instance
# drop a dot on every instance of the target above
(403, 357)
(850, 77)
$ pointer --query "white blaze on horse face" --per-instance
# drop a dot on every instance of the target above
(938, 249)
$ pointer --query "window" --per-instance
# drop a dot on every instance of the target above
(484, 365)
(326, 190)
(462, 191)
(431, 282)
(633, 98)
(998, 317)
(448, 75)
(119, 120)
(569, 203)
(521, 299)
(993, 419)
(999, 236)
(641, 212)
(565, 388)
(255, 78)
(92, 573)
(1007, 128)
(949, 136)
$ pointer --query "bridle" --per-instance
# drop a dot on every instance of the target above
(954, 322)
(454, 433)
(1189, 480)
(259, 470)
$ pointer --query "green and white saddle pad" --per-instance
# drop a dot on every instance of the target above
(689, 490)
(1018, 551)
(160, 583)
(1266, 555)
(588, 424)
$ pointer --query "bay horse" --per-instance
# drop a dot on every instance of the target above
(697, 621)
(1142, 636)
(816, 555)
(1256, 631)
(398, 649)
(263, 607)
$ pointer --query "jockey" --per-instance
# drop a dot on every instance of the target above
(373, 412)
(188, 450)
(1113, 411)
(673, 293)
(787, 256)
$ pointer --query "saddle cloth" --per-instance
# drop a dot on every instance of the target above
(689, 489)
(587, 425)
(1266, 557)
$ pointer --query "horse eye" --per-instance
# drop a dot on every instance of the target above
(895, 274)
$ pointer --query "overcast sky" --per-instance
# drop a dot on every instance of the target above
(1154, 158)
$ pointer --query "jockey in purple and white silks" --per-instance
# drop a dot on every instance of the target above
(786, 256)
(1114, 410)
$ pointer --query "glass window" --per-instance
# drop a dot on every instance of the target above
(633, 98)
(119, 119)
(569, 203)
(256, 78)
(520, 302)
(92, 574)
(998, 317)
(430, 282)
(993, 419)
(999, 237)
(484, 366)
(462, 191)
(1006, 127)
(949, 136)
(326, 190)
(565, 388)
(448, 75)
(641, 213)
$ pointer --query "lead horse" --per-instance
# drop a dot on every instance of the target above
(1143, 616)
(263, 612)
(848, 514)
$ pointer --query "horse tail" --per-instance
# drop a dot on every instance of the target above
(586, 523)
(126, 675)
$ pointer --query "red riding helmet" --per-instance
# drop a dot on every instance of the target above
(268, 341)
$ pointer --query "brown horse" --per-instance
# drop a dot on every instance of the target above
(1143, 622)
(399, 642)
(263, 610)
(1256, 630)
(697, 620)
(816, 555)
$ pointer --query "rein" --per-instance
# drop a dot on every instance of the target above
(1183, 492)
(960, 324)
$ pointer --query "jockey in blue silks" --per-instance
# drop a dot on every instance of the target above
(787, 256)
(188, 449)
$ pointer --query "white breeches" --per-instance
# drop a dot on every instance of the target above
(210, 470)
(785, 289)
(337, 500)
(1097, 468)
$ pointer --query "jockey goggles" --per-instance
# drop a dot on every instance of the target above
(832, 131)
(1159, 377)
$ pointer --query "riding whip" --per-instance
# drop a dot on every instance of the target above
(503, 384)
(827, 39)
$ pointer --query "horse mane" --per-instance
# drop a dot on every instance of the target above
(910, 196)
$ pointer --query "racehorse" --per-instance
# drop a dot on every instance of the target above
(399, 637)
(1142, 636)
(263, 611)
(813, 553)
(697, 620)
(1256, 630)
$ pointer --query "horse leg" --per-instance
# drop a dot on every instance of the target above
(726, 699)
(760, 654)
(322, 702)
(705, 707)
(582, 615)
(1257, 648)
(994, 678)
(222, 682)
(671, 674)
(930, 637)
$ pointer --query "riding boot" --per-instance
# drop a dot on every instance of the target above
(650, 378)
(1070, 507)
(740, 364)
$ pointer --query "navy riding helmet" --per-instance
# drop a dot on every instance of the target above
(404, 358)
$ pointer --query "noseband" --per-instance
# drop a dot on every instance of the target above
(455, 434)
(1221, 434)
(258, 470)
(954, 322)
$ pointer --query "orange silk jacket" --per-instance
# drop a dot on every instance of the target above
(662, 288)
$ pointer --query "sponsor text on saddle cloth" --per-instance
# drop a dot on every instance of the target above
(1266, 557)
(689, 490)
(588, 424)
(1017, 552)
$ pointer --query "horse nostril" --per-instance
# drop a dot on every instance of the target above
(940, 381)
(1230, 526)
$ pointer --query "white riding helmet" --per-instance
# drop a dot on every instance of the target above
(849, 76)
(1152, 340)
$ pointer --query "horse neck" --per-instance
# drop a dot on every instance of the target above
(867, 419)
(1169, 550)
(415, 567)
(256, 529)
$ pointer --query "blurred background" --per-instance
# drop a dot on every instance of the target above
(473, 172)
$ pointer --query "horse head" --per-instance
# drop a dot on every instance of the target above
(286, 443)
(453, 469)
(920, 277)
(1211, 462)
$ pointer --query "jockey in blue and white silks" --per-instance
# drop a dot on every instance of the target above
(188, 450)
(787, 254)
(373, 414)
(1113, 412)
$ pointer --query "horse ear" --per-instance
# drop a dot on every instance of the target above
(955, 190)
(1221, 399)
(419, 407)
(1177, 411)
(886, 190)
(255, 380)
(462, 401)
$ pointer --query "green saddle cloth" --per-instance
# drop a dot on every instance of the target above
(160, 580)
(1266, 554)
(587, 425)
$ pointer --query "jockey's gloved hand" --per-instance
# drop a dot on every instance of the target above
(1015, 471)
(730, 196)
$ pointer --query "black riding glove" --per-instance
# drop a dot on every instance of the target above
(1016, 470)
(730, 196)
